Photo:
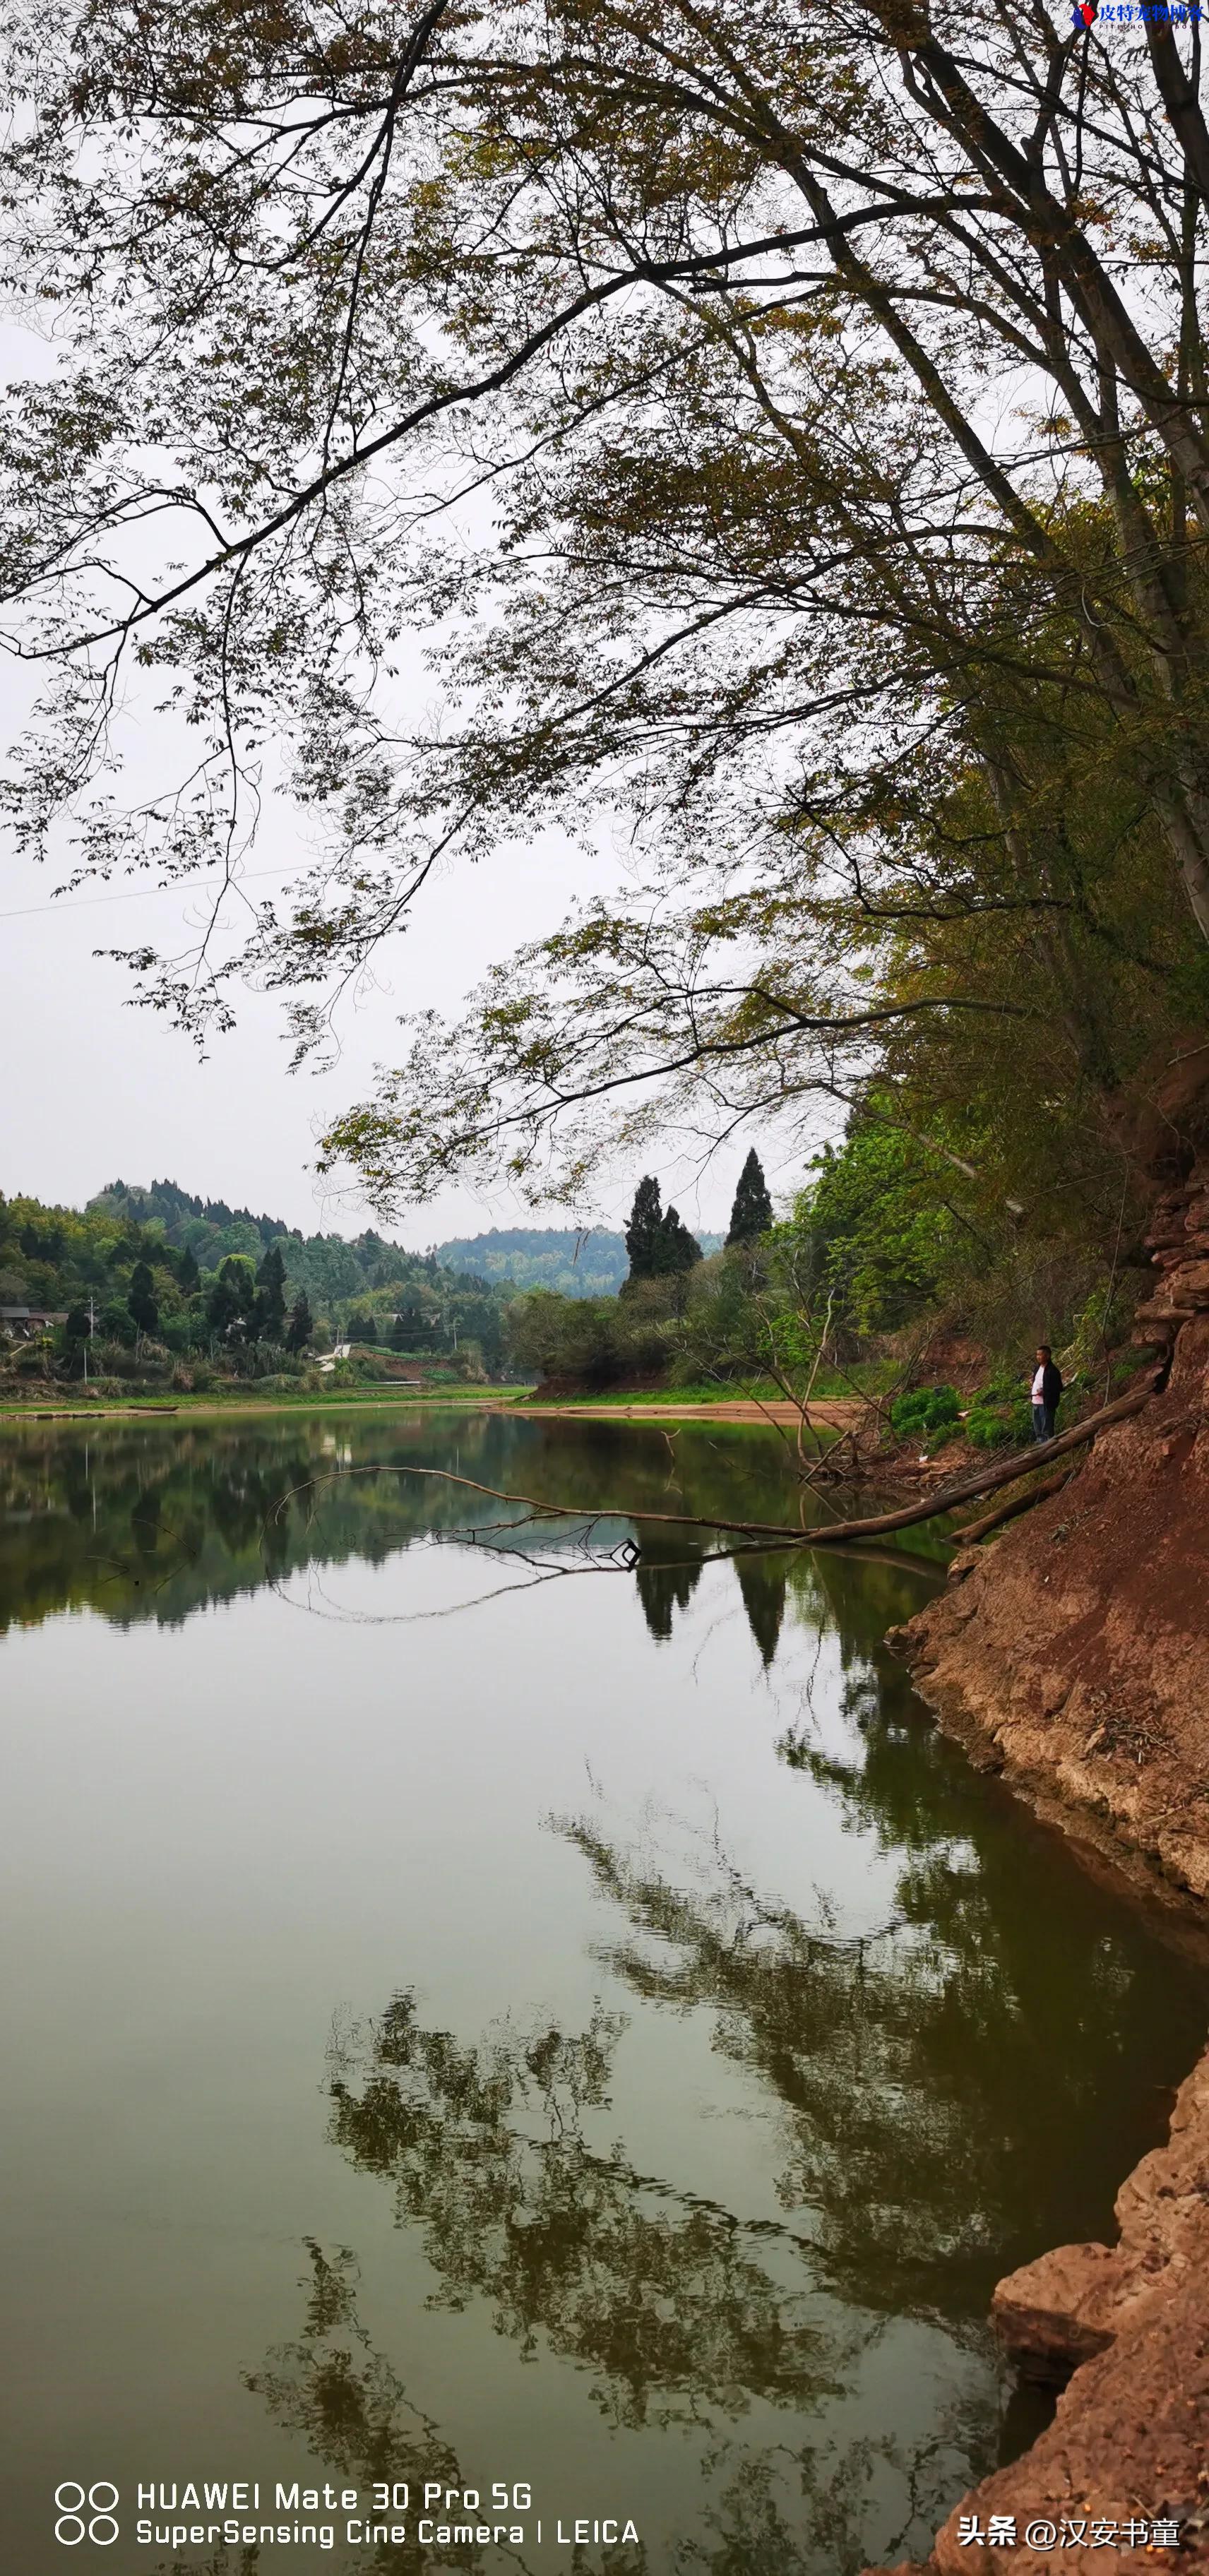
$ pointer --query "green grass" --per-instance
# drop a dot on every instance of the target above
(248, 1398)
(830, 1386)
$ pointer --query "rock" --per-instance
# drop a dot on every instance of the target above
(1130, 2432)
(1048, 2314)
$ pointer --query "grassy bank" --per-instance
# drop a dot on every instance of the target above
(71, 1401)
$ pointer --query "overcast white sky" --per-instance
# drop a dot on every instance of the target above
(96, 1090)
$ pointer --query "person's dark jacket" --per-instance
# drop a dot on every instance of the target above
(1051, 1386)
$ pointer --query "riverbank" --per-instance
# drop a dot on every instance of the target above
(212, 1406)
(1072, 1656)
(830, 1415)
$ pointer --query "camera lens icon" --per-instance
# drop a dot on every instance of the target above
(86, 2513)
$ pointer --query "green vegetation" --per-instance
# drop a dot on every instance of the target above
(926, 1410)
(908, 732)
(151, 1289)
(657, 1240)
(751, 1214)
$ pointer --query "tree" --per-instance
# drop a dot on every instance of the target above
(144, 1312)
(231, 1301)
(657, 1240)
(77, 1328)
(300, 1326)
(751, 1215)
(187, 1270)
(690, 283)
(268, 1313)
(644, 1233)
(680, 1249)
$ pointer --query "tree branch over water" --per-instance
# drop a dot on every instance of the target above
(781, 1533)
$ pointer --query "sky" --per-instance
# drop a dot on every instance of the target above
(96, 1090)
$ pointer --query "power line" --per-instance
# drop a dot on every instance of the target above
(133, 894)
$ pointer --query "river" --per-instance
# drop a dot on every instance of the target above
(495, 2002)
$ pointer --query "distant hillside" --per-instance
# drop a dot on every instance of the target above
(159, 1286)
(324, 1265)
(532, 1256)
(332, 1271)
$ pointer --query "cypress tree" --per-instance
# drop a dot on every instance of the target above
(680, 1249)
(300, 1326)
(144, 1312)
(644, 1233)
(657, 1240)
(268, 1316)
(751, 1214)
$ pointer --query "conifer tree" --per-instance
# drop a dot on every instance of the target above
(680, 1249)
(657, 1240)
(751, 1214)
(300, 1326)
(144, 1312)
(644, 1233)
(268, 1313)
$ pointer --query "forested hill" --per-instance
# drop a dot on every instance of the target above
(325, 1266)
(575, 1264)
(330, 1269)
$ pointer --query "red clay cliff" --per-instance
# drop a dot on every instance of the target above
(1072, 1654)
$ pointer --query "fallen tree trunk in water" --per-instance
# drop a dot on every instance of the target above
(875, 1526)
(972, 1530)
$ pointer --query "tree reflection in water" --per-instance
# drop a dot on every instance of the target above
(352, 2409)
(778, 2510)
(938, 2088)
(680, 2313)
(666, 2301)
(917, 2158)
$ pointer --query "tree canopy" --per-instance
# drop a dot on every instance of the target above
(787, 432)
(657, 1240)
(751, 1212)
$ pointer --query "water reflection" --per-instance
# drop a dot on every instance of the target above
(776, 2317)
(939, 2084)
(156, 1521)
(352, 2409)
(668, 2303)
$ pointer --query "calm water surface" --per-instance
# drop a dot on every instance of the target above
(480, 2010)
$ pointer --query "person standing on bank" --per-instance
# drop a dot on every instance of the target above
(1047, 1393)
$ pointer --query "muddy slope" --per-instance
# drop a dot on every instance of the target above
(1072, 1654)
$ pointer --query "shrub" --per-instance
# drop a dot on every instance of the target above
(1000, 1415)
(925, 1410)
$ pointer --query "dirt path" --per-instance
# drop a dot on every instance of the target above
(833, 1414)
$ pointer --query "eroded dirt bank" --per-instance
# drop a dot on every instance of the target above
(1073, 1655)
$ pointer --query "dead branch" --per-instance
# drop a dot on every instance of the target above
(874, 1526)
(1016, 1503)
